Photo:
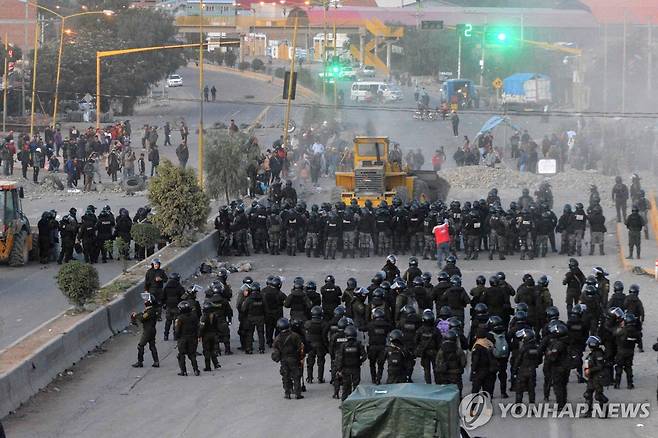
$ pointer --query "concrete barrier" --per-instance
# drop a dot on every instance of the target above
(26, 378)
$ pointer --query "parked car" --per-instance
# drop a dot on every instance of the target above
(393, 93)
(348, 74)
(368, 71)
(174, 81)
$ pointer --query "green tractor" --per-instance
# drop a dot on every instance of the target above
(15, 234)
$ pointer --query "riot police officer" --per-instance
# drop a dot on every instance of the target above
(186, 332)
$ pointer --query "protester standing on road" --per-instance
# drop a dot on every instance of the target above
(213, 92)
(183, 154)
(167, 134)
(454, 120)
(205, 93)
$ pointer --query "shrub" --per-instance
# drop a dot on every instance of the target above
(230, 58)
(244, 65)
(280, 72)
(145, 234)
(181, 206)
(78, 282)
(257, 65)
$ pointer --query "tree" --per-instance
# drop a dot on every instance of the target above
(180, 205)
(78, 282)
(145, 235)
(229, 58)
(223, 148)
(128, 76)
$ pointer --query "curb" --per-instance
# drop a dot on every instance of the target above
(24, 379)
(304, 91)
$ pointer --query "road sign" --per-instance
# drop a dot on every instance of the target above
(431, 24)
(497, 83)
(88, 98)
(547, 167)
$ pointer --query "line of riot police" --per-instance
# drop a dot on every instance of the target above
(90, 235)
(528, 226)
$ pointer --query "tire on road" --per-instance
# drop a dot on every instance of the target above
(19, 255)
(134, 184)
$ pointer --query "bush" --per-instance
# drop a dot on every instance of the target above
(280, 72)
(78, 282)
(244, 65)
(181, 206)
(145, 234)
(230, 58)
(257, 65)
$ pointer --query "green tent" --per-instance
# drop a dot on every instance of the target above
(402, 410)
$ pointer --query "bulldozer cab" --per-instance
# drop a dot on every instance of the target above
(378, 176)
(15, 234)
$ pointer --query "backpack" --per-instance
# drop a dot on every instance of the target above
(443, 326)
(501, 346)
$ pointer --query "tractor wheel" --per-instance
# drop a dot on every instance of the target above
(19, 254)
(402, 193)
(34, 255)
(422, 189)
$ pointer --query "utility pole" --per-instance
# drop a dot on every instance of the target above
(484, 31)
(605, 68)
(290, 82)
(459, 57)
(34, 77)
(200, 137)
(649, 57)
(5, 84)
(335, 78)
(23, 59)
(624, 65)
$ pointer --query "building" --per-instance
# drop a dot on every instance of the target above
(18, 20)
(212, 8)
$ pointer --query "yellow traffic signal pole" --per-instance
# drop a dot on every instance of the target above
(290, 82)
(334, 76)
(108, 53)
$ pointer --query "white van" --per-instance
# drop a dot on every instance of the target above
(367, 91)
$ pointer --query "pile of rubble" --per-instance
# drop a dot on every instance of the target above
(485, 178)
(56, 182)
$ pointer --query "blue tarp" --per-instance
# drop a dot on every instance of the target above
(514, 84)
(494, 121)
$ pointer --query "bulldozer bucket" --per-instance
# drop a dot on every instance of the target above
(438, 187)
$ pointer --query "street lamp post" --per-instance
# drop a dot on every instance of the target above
(63, 19)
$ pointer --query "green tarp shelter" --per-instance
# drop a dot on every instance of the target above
(405, 410)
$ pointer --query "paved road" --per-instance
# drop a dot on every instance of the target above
(29, 295)
(244, 397)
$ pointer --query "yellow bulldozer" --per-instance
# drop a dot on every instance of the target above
(376, 178)
(15, 233)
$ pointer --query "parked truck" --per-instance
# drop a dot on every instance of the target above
(527, 91)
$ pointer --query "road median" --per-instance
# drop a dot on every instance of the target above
(33, 361)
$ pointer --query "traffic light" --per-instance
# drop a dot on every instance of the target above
(465, 30)
(335, 68)
(431, 24)
(503, 37)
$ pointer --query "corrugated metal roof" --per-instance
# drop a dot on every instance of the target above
(615, 11)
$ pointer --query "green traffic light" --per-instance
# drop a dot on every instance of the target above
(502, 37)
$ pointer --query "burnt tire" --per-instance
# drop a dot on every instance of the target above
(134, 184)
(19, 255)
